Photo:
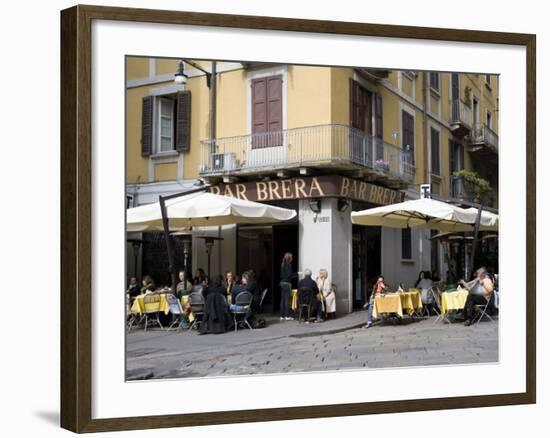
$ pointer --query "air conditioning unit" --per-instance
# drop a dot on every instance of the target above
(225, 161)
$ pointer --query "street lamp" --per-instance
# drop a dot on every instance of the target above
(180, 77)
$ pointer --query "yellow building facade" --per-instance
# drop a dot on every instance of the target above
(391, 129)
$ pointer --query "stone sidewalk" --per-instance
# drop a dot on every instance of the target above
(289, 346)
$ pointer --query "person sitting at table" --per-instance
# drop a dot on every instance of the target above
(184, 287)
(327, 290)
(419, 279)
(308, 283)
(214, 287)
(133, 289)
(148, 285)
(480, 291)
(379, 288)
(229, 284)
(425, 284)
(199, 278)
(246, 285)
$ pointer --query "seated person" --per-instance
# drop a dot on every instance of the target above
(229, 284)
(425, 284)
(379, 288)
(184, 287)
(133, 289)
(216, 286)
(148, 285)
(309, 283)
(200, 277)
(480, 291)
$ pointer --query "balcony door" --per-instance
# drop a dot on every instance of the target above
(455, 96)
(361, 121)
(407, 139)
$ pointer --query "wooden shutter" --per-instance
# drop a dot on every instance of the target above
(267, 111)
(435, 152)
(259, 111)
(357, 106)
(147, 126)
(183, 121)
(407, 121)
(378, 117)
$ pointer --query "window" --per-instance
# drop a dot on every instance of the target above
(406, 244)
(489, 119)
(436, 162)
(165, 139)
(488, 80)
(407, 135)
(166, 123)
(434, 81)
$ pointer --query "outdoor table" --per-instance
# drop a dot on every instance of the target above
(455, 300)
(396, 302)
(159, 306)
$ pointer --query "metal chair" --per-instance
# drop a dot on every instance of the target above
(196, 303)
(241, 309)
(262, 298)
(305, 299)
(482, 309)
(149, 299)
(177, 312)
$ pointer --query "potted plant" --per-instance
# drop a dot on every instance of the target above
(476, 188)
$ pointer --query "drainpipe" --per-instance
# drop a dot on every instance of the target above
(212, 138)
(427, 152)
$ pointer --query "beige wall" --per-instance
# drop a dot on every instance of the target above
(316, 96)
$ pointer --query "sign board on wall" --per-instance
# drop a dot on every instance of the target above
(310, 187)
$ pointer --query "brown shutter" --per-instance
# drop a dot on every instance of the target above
(183, 121)
(267, 111)
(147, 126)
(378, 116)
(408, 132)
(275, 110)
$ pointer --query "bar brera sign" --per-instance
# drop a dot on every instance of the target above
(310, 187)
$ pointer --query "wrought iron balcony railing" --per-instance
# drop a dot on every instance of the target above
(461, 114)
(481, 135)
(311, 146)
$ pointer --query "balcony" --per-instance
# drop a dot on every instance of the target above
(483, 138)
(336, 147)
(461, 118)
(462, 189)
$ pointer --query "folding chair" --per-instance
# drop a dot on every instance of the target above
(196, 303)
(262, 297)
(482, 309)
(241, 309)
(177, 312)
(155, 318)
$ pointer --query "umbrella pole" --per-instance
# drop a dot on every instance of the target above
(169, 246)
(476, 233)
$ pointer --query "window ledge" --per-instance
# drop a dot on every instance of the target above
(435, 92)
(164, 155)
(407, 261)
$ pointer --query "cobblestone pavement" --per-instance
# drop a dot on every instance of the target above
(290, 346)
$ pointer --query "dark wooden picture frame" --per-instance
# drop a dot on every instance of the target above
(76, 196)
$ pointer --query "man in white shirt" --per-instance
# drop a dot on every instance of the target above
(480, 292)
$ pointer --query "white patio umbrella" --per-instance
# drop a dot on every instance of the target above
(489, 220)
(423, 213)
(202, 210)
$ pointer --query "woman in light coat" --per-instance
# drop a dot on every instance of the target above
(327, 290)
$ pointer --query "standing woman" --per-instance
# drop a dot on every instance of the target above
(327, 290)
(286, 285)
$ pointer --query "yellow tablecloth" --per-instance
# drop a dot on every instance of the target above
(453, 300)
(294, 299)
(160, 306)
(397, 302)
(185, 305)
